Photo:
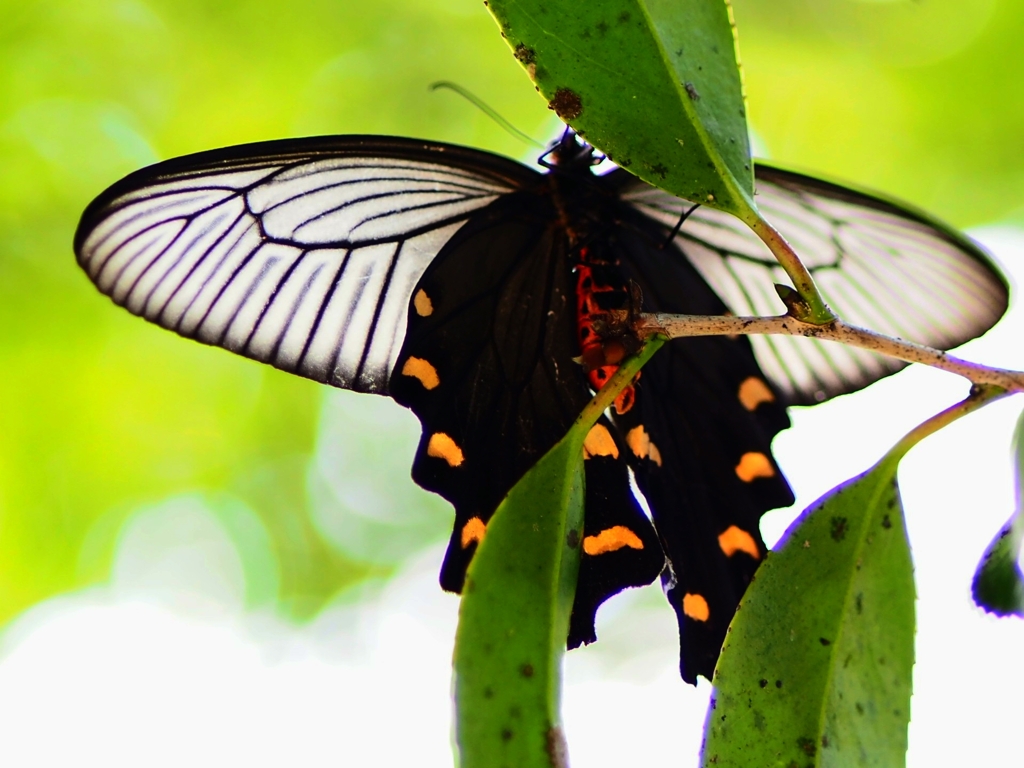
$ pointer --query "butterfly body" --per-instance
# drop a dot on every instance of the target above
(476, 292)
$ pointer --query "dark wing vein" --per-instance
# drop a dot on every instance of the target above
(879, 264)
(301, 253)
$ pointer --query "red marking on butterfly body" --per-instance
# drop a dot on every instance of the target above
(600, 357)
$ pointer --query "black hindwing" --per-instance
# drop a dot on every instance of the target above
(488, 367)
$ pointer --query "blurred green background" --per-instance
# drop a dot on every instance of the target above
(113, 432)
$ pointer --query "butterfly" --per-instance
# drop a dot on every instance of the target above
(475, 290)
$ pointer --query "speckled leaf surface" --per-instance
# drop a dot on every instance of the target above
(514, 616)
(652, 83)
(816, 670)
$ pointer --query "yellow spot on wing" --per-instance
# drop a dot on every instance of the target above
(599, 442)
(696, 607)
(640, 443)
(753, 392)
(420, 369)
(473, 531)
(754, 465)
(734, 540)
(611, 539)
(441, 446)
(421, 302)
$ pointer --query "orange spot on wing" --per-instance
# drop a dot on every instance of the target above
(754, 465)
(753, 392)
(420, 369)
(441, 446)
(640, 443)
(599, 442)
(653, 453)
(696, 607)
(473, 531)
(422, 304)
(734, 540)
(611, 539)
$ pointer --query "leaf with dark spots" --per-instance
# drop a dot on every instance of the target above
(566, 104)
(823, 616)
(627, 61)
(524, 577)
(524, 55)
(513, 624)
(807, 746)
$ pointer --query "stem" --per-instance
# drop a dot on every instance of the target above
(979, 397)
(676, 326)
(816, 311)
(603, 400)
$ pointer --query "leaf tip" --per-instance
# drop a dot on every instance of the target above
(998, 585)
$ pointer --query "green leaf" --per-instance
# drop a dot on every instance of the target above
(816, 666)
(998, 585)
(652, 83)
(816, 669)
(516, 601)
(515, 616)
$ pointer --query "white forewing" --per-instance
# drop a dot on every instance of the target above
(359, 199)
(306, 263)
(304, 254)
(881, 267)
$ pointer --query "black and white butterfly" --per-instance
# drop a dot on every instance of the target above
(452, 280)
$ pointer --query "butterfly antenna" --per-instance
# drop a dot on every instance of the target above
(679, 225)
(487, 110)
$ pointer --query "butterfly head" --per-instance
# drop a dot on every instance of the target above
(569, 153)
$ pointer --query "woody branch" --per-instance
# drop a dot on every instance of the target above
(676, 326)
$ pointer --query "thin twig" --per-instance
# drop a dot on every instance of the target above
(815, 310)
(980, 396)
(675, 326)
